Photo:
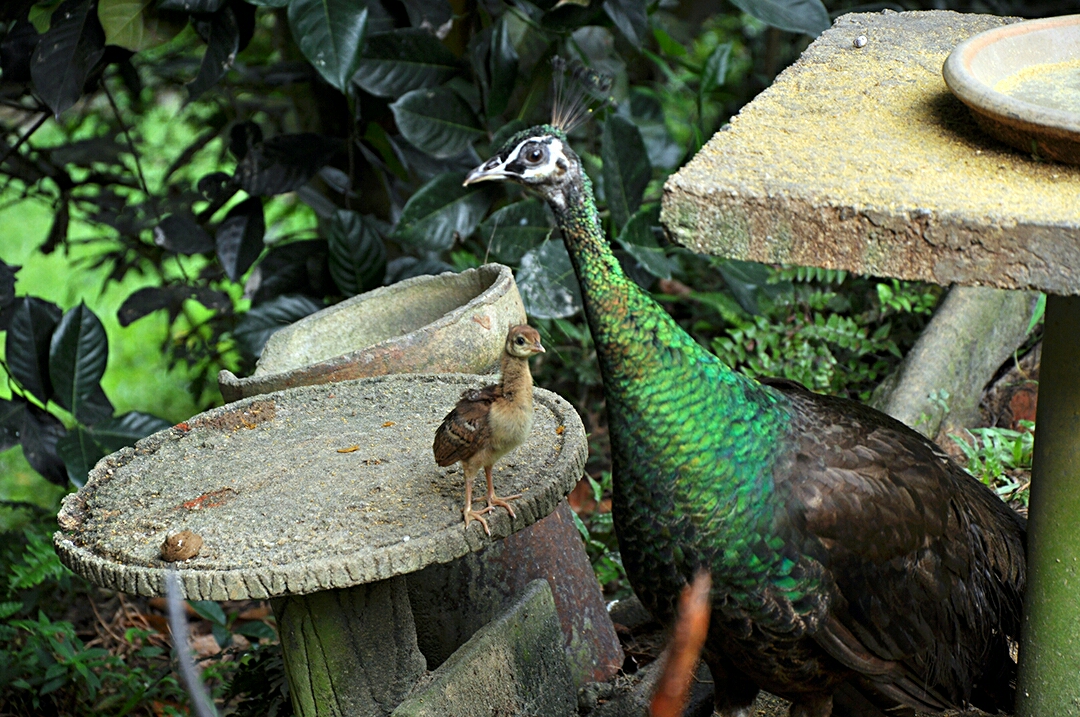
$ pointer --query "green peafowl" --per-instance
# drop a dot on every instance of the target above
(850, 557)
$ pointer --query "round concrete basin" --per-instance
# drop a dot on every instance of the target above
(427, 324)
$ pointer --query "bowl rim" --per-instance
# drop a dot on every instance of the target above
(984, 99)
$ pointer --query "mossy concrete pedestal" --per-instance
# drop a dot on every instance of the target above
(321, 499)
(859, 158)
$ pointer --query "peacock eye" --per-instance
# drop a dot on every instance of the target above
(535, 154)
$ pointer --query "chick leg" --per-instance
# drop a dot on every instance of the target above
(494, 500)
(469, 513)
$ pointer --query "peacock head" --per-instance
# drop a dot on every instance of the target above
(539, 158)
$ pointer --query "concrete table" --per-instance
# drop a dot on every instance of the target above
(859, 158)
(322, 499)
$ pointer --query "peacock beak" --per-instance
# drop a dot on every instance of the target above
(491, 170)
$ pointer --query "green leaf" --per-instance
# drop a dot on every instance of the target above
(357, 253)
(253, 331)
(78, 353)
(502, 67)
(630, 17)
(806, 16)
(638, 238)
(330, 33)
(134, 24)
(26, 346)
(546, 280)
(202, 7)
(222, 33)
(66, 54)
(715, 71)
(269, 3)
(80, 452)
(516, 228)
(123, 430)
(626, 168)
(209, 610)
(436, 121)
(397, 62)
(240, 237)
(439, 210)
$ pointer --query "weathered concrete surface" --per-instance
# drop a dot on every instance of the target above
(937, 387)
(427, 324)
(452, 601)
(285, 505)
(350, 651)
(515, 665)
(861, 159)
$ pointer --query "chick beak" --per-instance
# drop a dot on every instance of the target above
(488, 171)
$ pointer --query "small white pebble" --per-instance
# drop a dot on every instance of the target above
(405, 539)
(860, 41)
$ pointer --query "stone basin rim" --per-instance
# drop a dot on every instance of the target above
(316, 575)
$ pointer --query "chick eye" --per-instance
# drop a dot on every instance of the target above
(519, 340)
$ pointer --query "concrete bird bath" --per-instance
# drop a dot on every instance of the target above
(322, 499)
(427, 324)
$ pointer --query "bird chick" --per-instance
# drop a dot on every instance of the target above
(489, 422)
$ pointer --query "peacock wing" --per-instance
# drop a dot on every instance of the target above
(926, 564)
(465, 429)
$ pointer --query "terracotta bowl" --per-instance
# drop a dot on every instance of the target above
(427, 324)
(1022, 84)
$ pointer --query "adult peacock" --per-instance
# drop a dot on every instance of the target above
(850, 556)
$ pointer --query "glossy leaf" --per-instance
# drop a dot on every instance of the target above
(7, 283)
(119, 431)
(240, 237)
(269, 3)
(406, 267)
(296, 268)
(638, 238)
(67, 53)
(439, 210)
(11, 421)
(78, 353)
(397, 62)
(516, 228)
(330, 33)
(180, 233)
(284, 163)
(260, 322)
(630, 17)
(222, 35)
(137, 25)
(26, 347)
(626, 168)
(357, 253)
(502, 67)
(806, 16)
(715, 71)
(16, 49)
(546, 280)
(40, 434)
(79, 452)
(437, 121)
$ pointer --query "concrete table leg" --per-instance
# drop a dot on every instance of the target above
(350, 652)
(1049, 679)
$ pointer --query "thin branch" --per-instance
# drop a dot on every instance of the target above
(131, 146)
(14, 148)
(201, 703)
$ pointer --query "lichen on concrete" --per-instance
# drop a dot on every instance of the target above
(307, 489)
(860, 158)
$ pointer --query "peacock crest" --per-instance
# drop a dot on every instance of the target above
(577, 90)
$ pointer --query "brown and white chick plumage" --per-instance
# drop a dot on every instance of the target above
(489, 422)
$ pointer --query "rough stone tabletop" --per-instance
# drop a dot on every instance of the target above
(305, 490)
(860, 158)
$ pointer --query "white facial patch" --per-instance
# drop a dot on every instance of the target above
(549, 167)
